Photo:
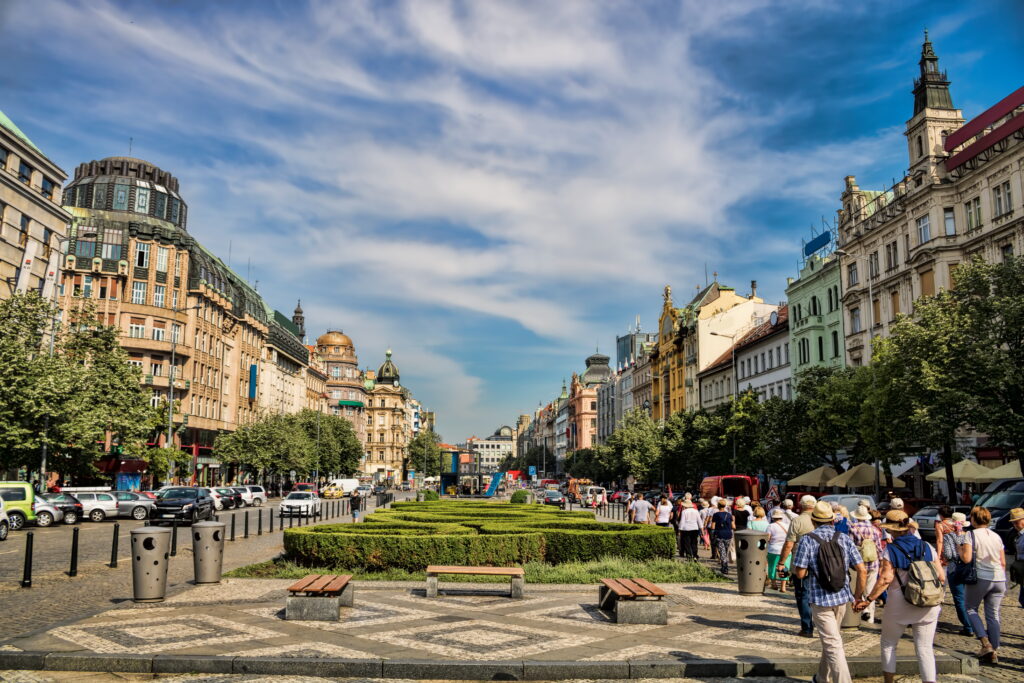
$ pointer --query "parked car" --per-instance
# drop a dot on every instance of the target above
(259, 495)
(72, 508)
(148, 494)
(5, 524)
(849, 500)
(245, 493)
(554, 498)
(183, 503)
(301, 503)
(619, 496)
(231, 498)
(98, 506)
(218, 500)
(24, 506)
(927, 516)
(379, 489)
(910, 505)
(1009, 495)
(406, 487)
(364, 490)
(306, 486)
(134, 505)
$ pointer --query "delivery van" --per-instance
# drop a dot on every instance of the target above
(339, 488)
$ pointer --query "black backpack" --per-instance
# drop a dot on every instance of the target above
(831, 570)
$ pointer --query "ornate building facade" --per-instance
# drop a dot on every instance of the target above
(345, 384)
(388, 431)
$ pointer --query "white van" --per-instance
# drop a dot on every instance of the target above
(339, 488)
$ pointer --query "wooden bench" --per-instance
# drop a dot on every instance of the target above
(515, 574)
(319, 597)
(633, 601)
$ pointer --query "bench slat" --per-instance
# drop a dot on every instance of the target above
(617, 588)
(337, 584)
(638, 591)
(486, 571)
(650, 587)
(301, 584)
(319, 585)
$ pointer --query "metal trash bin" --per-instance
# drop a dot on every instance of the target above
(851, 620)
(151, 549)
(208, 550)
(751, 561)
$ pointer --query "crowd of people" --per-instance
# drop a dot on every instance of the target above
(837, 559)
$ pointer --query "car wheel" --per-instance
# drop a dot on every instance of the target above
(17, 520)
(258, 502)
(97, 516)
(5, 529)
(70, 517)
(139, 513)
(219, 505)
(44, 519)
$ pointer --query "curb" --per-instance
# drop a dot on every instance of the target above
(438, 669)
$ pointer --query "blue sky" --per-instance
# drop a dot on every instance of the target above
(494, 188)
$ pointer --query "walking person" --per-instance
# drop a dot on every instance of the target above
(950, 534)
(868, 539)
(705, 515)
(1017, 568)
(801, 525)
(722, 525)
(777, 531)
(984, 550)
(689, 528)
(822, 561)
(787, 510)
(643, 512)
(663, 513)
(355, 503)
(911, 603)
(629, 508)
(760, 522)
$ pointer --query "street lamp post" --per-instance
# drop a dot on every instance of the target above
(871, 329)
(170, 383)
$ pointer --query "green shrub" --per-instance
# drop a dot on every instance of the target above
(431, 495)
(413, 535)
(520, 496)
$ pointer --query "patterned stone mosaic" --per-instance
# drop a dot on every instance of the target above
(477, 603)
(477, 639)
(312, 649)
(160, 634)
(364, 614)
(589, 616)
(725, 596)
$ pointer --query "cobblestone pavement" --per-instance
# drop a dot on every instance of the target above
(72, 677)
(56, 597)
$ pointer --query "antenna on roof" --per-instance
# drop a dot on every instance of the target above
(130, 140)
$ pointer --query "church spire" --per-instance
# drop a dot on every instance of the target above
(931, 90)
(298, 319)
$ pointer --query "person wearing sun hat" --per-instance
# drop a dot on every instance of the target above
(828, 606)
(950, 534)
(899, 613)
(1017, 568)
(868, 538)
(777, 531)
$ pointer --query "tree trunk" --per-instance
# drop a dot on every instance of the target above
(947, 460)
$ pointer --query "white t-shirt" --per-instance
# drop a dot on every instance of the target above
(642, 510)
(790, 515)
(690, 520)
(988, 549)
(663, 513)
(777, 531)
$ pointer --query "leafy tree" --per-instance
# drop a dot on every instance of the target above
(636, 446)
(277, 443)
(424, 453)
(780, 450)
(336, 448)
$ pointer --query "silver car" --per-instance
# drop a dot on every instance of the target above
(133, 505)
(98, 506)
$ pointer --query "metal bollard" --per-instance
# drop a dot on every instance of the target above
(26, 576)
(233, 527)
(259, 522)
(113, 546)
(291, 521)
(245, 527)
(174, 537)
(270, 514)
(73, 570)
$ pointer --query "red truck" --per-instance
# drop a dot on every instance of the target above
(730, 486)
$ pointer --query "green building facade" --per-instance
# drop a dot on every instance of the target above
(816, 337)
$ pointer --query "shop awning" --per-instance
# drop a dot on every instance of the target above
(353, 404)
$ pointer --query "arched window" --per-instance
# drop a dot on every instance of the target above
(920, 146)
(815, 306)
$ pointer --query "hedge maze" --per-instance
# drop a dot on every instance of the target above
(414, 534)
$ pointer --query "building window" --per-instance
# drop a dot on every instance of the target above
(821, 349)
(928, 283)
(1007, 252)
(1002, 200)
(138, 292)
(142, 255)
(177, 265)
(873, 264)
(972, 208)
(855, 320)
(159, 291)
(99, 196)
(161, 259)
(835, 347)
(85, 247)
(47, 188)
(924, 230)
(120, 197)
(137, 328)
(158, 333)
(891, 256)
(141, 200)
(876, 311)
(24, 173)
(949, 219)
(174, 210)
(160, 205)
(174, 298)
(176, 333)
(894, 304)
(851, 275)
(112, 239)
(815, 308)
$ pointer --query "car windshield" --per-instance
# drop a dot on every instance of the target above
(1005, 500)
(553, 494)
(178, 493)
(240, 489)
(227, 491)
(928, 512)
(296, 495)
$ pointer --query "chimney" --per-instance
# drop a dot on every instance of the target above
(753, 288)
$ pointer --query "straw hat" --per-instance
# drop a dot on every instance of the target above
(896, 520)
(961, 518)
(777, 513)
(1016, 514)
(862, 513)
(823, 513)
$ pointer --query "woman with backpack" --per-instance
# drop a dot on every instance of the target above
(950, 534)
(984, 552)
(868, 538)
(722, 526)
(916, 600)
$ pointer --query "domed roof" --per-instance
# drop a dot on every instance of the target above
(334, 338)
(387, 373)
(597, 370)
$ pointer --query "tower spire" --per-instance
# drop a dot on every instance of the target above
(931, 90)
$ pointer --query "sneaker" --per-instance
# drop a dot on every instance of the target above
(967, 632)
(806, 634)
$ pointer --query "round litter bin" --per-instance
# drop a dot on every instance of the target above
(208, 550)
(151, 547)
(751, 561)
(851, 620)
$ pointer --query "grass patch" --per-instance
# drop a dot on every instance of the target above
(663, 570)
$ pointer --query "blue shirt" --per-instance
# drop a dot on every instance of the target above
(807, 557)
(722, 522)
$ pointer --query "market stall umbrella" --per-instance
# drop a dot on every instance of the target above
(965, 470)
(815, 478)
(861, 476)
(1010, 470)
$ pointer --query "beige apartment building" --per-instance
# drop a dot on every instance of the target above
(33, 226)
(388, 431)
(345, 384)
(960, 199)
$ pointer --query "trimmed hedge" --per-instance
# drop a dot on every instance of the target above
(412, 535)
